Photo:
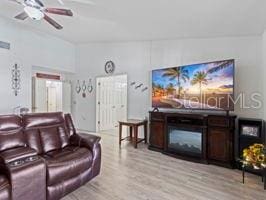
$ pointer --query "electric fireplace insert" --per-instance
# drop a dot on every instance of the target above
(185, 141)
(186, 137)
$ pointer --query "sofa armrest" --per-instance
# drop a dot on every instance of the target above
(26, 165)
(19, 153)
(91, 142)
(85, 140)
(11, 156)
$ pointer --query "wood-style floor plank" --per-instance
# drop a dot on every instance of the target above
(141, 174)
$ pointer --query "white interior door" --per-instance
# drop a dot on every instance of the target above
(105, 103)
(111, 101)
(120, 100)
(52, 99)
(39, 100)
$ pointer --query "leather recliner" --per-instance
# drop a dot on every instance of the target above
(43, 157)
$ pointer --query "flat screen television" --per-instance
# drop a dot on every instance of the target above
(205, 86)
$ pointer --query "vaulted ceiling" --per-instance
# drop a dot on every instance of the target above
(121, 20)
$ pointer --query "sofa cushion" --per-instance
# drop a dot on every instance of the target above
(11, 139)
(37, 120)
(70, 125)
(33, 139)
(64, 136)
(5, 189)
(9, 122)
(11, 134)
(50, 139)
(45, 131)
(60, 189)
(67, 163)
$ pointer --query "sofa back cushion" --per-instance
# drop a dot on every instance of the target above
(50, 139)
(11, 133)
(70, 125)
(45, 131)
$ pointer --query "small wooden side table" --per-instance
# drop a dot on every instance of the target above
(133, 129)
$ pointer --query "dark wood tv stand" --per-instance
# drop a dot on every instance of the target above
(217, 135)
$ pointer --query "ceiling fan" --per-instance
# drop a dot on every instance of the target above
(36, 10)
(77, 1)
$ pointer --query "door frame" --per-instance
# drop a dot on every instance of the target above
(33, 93)
(97, 107)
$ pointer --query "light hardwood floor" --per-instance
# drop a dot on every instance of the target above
(141, 174)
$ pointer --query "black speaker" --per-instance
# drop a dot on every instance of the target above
(250, 131)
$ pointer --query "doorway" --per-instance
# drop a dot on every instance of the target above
(50, 96)
(111, 101)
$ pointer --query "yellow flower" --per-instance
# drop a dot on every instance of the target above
(258, 145)
(260, 158)
(254, 155)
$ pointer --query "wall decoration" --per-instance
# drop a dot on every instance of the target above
(78, 87)
(16, 81)
(138, 86)
(132, 83)
(90, 87)
(84, 88)
(109, 67)
(144, 89)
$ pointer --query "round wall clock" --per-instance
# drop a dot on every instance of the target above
(109, 67)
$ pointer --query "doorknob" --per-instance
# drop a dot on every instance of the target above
(113, 107)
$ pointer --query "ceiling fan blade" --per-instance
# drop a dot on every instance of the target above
(16, 1)
(61, 2)
(59, 11)
(22, 16)
(82, 1)
(52, 22)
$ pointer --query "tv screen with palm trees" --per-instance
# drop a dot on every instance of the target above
(199, 86)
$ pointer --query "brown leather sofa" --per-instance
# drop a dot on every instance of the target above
(43, 157)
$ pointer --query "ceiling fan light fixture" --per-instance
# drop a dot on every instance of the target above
(34, 13)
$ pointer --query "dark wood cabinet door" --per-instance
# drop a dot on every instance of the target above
(157, 134)
(219, 144)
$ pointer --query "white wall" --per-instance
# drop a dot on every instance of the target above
(264, 68)
(130, 58)
(29, 49)
(137, 59)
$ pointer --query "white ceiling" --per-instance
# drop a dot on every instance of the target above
(122, 20)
